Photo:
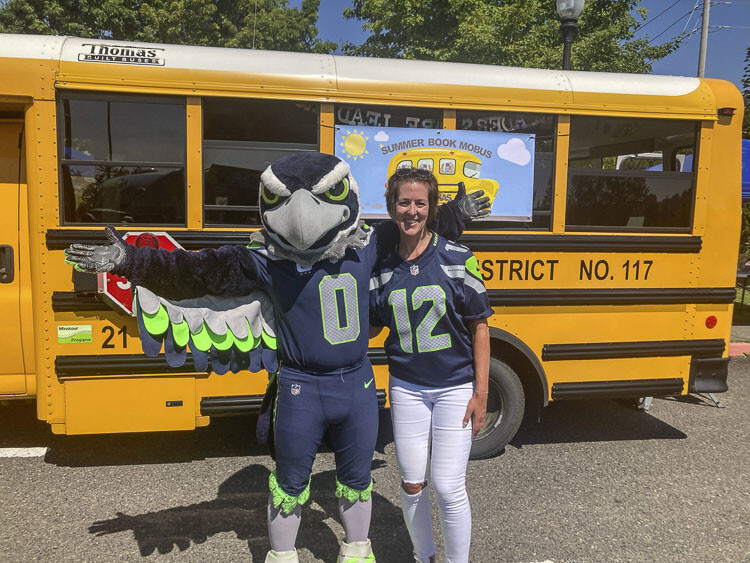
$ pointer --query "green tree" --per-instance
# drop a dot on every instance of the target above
(263, 24)
(522, 33)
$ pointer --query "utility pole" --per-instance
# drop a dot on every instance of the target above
(704, 40)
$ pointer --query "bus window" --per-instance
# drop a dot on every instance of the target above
(630, 174)
(404, 164)
(122, 159)
(472, 169)
(544, 127)
(425, 164)
(388, 116)
(448, 166)
(240, 139)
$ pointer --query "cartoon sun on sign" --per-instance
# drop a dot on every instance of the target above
(354, 144)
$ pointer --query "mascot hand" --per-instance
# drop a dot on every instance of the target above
(94, 258)
(473, 205)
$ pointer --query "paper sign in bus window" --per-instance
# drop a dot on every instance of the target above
(500, 164)
(447, 166)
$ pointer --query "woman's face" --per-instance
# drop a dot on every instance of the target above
(412, 208)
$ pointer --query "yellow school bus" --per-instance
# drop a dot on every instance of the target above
(621, 284)
(450, 166)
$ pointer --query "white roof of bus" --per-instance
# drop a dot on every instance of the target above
(340, 68)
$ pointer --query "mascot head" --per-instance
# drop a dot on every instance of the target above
(309, 205)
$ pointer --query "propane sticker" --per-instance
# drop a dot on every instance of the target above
(74, 334)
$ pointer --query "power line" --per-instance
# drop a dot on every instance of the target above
(673, 24)
(687, 23)
(656, 17)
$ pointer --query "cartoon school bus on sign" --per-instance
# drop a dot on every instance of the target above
(449, 167)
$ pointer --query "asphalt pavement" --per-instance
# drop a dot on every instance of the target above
(591, 481)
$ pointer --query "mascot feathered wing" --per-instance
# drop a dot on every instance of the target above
(227, 333)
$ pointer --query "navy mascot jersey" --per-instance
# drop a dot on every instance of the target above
(321, 312)
(428, 304)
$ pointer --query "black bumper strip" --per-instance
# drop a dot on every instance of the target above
(68, 367)
(497, 242)
(645, 349)
(231, 406)
(622, 388)
(246, 404)
(58, 239)
(634, 296)
(70, 301)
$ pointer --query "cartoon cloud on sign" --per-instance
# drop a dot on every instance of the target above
(514, 151)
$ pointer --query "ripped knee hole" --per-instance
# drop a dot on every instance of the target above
(413, 488)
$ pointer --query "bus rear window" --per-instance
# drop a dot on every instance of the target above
(122, 159)
(631, 174)
(241, 137)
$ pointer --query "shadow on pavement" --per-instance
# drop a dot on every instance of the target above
(594, 421)
(224, 437)
(240, 507)
(562, 421)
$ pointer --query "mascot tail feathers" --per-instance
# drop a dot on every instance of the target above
(222, 333)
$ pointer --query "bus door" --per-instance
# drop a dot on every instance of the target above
(12, 180)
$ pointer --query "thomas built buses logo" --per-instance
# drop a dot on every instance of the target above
(99, 53)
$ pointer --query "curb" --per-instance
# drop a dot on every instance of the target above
(739, 348)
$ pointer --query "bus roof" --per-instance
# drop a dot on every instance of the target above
(395, 79)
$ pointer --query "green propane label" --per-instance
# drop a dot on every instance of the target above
(74, 334)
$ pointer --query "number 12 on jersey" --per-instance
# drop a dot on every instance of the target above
(426, 341)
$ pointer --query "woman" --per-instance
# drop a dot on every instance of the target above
(429, 293)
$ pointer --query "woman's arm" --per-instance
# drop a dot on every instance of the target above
(480, 345)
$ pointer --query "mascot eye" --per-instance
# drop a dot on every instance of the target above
(269, 197)
(339, 191)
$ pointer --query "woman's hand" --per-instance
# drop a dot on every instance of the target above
(476, 410)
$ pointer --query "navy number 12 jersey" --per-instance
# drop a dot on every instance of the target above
(428, 304)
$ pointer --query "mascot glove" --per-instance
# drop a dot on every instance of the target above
(473, 205)
(96, 258)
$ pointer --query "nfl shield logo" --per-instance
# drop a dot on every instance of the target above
(414, 270)
(295, 388)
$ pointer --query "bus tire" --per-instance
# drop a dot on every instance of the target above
(505, 406)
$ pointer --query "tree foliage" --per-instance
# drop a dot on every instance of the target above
(523, 33)
(263, 24)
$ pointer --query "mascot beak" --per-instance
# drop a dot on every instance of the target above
(303, 219)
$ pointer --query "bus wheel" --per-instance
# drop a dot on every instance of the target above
(505, 405)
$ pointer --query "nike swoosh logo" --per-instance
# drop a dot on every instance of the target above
(369, 382)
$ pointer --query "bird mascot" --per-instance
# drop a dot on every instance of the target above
(295, 301)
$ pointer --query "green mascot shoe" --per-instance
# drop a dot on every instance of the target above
(356, 552)
(285, 556)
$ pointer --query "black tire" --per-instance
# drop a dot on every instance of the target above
(505, 406)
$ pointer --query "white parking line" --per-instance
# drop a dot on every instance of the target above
(22, 452)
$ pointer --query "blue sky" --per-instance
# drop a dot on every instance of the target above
(726, 46)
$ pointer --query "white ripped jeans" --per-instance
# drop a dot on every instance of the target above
(433, 447)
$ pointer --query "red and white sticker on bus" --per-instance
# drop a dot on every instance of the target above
(115, 289)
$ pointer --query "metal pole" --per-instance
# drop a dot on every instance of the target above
(569, 28)
(704, 40)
